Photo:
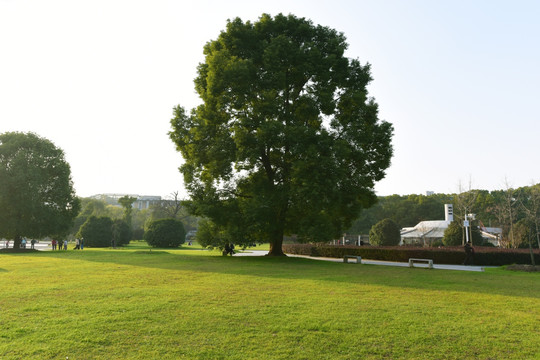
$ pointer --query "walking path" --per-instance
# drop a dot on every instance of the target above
(38, 246)
(372, 262)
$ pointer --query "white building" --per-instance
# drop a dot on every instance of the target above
(142, 201)
(426, 232)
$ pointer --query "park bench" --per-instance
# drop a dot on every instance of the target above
(347, 257)
(428, 261)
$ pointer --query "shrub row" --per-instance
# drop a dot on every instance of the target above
(486, 256)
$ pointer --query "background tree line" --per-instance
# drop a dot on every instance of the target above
(516, 211)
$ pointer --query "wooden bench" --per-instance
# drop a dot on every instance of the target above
(347, 257)
(428, 261)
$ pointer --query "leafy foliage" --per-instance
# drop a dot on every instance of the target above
(165, 233)
(287, 140)
(453, 235)
(385, 233)
(97, 232)
(121, 232)
(127, 203)
(37, 196)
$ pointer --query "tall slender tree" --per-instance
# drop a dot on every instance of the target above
(127, 203)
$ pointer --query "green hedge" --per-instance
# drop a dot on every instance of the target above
(486, 256)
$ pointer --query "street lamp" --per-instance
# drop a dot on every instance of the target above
(466, 224)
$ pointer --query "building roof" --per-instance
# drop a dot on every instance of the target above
(430, 229)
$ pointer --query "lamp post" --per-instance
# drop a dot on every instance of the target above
(466, 224)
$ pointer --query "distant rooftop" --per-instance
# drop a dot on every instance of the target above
(118, 196)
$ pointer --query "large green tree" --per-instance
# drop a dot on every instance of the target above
(287, 140)
(36, 191)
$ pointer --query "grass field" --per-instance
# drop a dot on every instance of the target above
(173, 304)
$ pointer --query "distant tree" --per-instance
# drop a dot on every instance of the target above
(165, 233)
(139, 219)
(90, 207)
(287, 140)
(453, 235)
(173, 208)
(121, 232)
(464, 202)
(97, 208)
(97, 232)
(127, 203)
(505, 210)
(169, 208)
(523, 232)
(93, 207)
(385, 233)
(530, 204)
(37, 198)
(484, 202)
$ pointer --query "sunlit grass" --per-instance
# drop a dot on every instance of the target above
(167, 304)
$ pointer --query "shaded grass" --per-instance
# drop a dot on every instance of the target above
(170, 304)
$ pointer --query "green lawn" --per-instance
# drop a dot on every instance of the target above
(192, 304)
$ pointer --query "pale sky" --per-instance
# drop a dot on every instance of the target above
(459, 80)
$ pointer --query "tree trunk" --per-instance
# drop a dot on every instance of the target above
(276, 248)
(537, 234)
(17, 242)
(531, 251)
(276, 236)
(276, 244)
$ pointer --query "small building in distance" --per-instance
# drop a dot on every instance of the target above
(142, 202)
(427, 232)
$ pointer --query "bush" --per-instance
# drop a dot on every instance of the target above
(96, 232)
(121, 233)
(385, 233)
(165, 233)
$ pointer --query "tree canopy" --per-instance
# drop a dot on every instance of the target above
(287, 139)
(36, 191)
(165, 233)
(127, 203)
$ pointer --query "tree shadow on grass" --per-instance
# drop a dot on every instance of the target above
(496, 282)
